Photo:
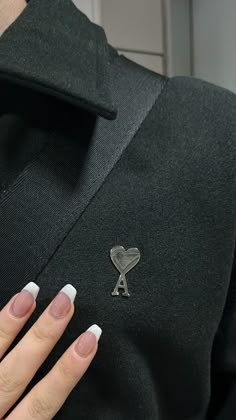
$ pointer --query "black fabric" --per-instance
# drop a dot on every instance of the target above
(168, 351)
(224, 359)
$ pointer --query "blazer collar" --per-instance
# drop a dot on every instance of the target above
(54, 48)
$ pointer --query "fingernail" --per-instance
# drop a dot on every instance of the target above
(62, 302)
(24, 300)
(88, 340)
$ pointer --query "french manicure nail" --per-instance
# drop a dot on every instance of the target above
(24, 300)
(62, 302)
(88, 340)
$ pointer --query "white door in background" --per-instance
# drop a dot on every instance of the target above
(214, 39)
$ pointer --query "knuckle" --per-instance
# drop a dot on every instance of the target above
(40, 408)
(66, 371)
(42, 332)
(8, 384)
(4, 335)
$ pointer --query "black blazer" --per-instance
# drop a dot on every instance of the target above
(168, 350)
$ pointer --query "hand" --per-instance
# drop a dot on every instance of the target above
(19, 366)
(9, 11)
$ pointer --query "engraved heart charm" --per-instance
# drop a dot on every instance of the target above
(124, 260)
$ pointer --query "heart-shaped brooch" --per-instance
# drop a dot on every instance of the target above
(124, 261)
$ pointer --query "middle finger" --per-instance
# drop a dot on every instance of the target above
(20, 365)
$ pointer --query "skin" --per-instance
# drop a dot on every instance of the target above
(19, 366)
(9, 11)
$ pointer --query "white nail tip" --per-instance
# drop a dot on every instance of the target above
(33, 288)
(70, 291)
(96, 330)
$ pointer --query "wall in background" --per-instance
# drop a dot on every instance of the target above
(92, 8)
(135, 28)
(214, 41)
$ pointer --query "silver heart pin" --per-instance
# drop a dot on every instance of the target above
(124, 261)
